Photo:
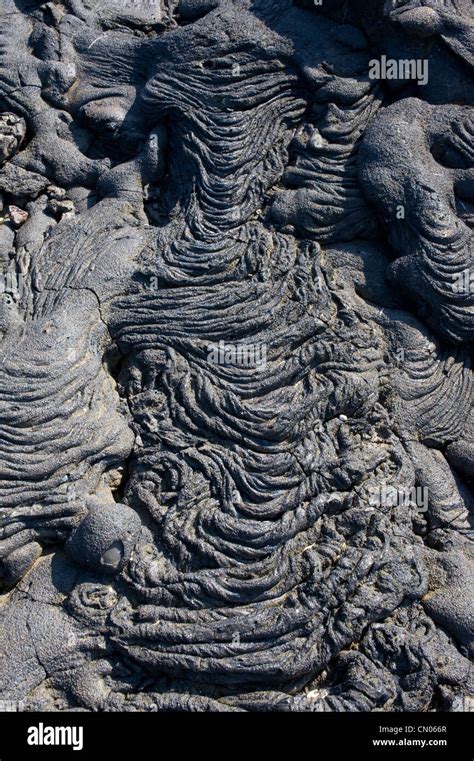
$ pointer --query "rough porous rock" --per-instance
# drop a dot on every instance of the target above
(236, 323)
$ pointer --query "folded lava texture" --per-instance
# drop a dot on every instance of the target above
(236, 323)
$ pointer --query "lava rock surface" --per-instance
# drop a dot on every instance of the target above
(236, 324)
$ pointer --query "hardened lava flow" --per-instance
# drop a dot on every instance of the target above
(236, 320)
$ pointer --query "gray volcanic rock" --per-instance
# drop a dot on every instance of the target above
(236, 320)
(12, 134)
(105, 538)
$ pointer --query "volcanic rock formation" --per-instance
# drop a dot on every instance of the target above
(236, 431)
